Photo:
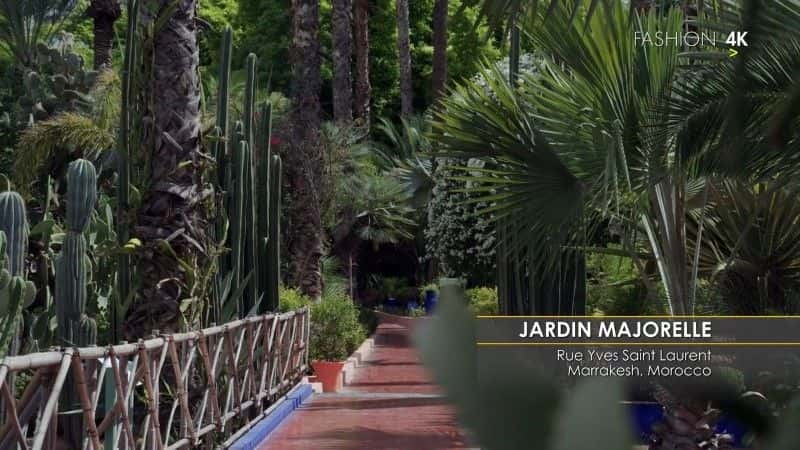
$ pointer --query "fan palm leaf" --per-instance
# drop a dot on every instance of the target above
(605, 122)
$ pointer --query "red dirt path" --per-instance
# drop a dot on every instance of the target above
(391, 404)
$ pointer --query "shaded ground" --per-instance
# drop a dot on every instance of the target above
(391, 404)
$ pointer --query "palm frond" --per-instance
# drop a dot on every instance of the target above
(67, 132)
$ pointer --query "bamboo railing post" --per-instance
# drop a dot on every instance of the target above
(51, 406)
(86, 405)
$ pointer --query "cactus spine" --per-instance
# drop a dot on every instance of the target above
(274, 240)
(74, 328)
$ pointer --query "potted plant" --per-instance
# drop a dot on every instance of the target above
(431, 292)
(335, 333)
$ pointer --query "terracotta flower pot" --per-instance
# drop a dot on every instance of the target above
(329, 373)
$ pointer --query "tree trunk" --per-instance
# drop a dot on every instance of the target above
(404, 56)
(172, 220)
(363, 87)
(439, 76)
(304, 164)
(104, 13)
(342, 55)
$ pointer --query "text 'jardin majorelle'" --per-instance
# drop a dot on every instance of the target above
(666, 329)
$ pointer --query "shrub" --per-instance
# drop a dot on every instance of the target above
(483, 301)
(335, 329)
(292, 299)
(368, 320)
(423, 291)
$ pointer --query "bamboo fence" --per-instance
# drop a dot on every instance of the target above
(200, 389)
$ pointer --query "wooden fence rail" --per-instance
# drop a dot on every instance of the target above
(173, 391)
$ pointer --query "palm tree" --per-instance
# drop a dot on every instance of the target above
(615, 133)
(172, 218)
(342, 56)
(304, 162)
(404, 56)
(363, 88)
(439, 75)
(103, 13)
(378, 215)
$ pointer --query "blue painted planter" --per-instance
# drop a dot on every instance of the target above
(431, 298)
(645, 414)
(412, 304)
(392, 302)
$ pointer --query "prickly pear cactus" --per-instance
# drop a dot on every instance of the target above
(58, 82)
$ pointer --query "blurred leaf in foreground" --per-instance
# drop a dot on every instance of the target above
(511, 408)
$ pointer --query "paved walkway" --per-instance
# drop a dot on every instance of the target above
(391, 404)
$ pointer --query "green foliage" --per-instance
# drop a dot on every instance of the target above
(24, 24)
(335, 329)
(615, 287)
(84, 131)
(292, 299)
(483, 301)
(266, 31)
(219, 14)
(461, 240)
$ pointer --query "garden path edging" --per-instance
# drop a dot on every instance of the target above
(272, 417)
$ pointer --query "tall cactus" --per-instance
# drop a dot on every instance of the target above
(251, 247)
(14, 223)
(237, 217)
(263, 218)
(124, 172)
(74, 328)
(274, 240)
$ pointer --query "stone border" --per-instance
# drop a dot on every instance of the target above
(275, 415)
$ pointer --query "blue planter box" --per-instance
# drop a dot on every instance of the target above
(431, 298)
(645, 414)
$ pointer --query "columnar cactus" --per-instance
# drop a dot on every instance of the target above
(74, 328)
(124, 170)
(274, 241)
(237, 218)
(14, 223)
(264, 213)
(251, 237)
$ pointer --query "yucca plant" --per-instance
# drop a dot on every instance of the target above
(750, 246)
